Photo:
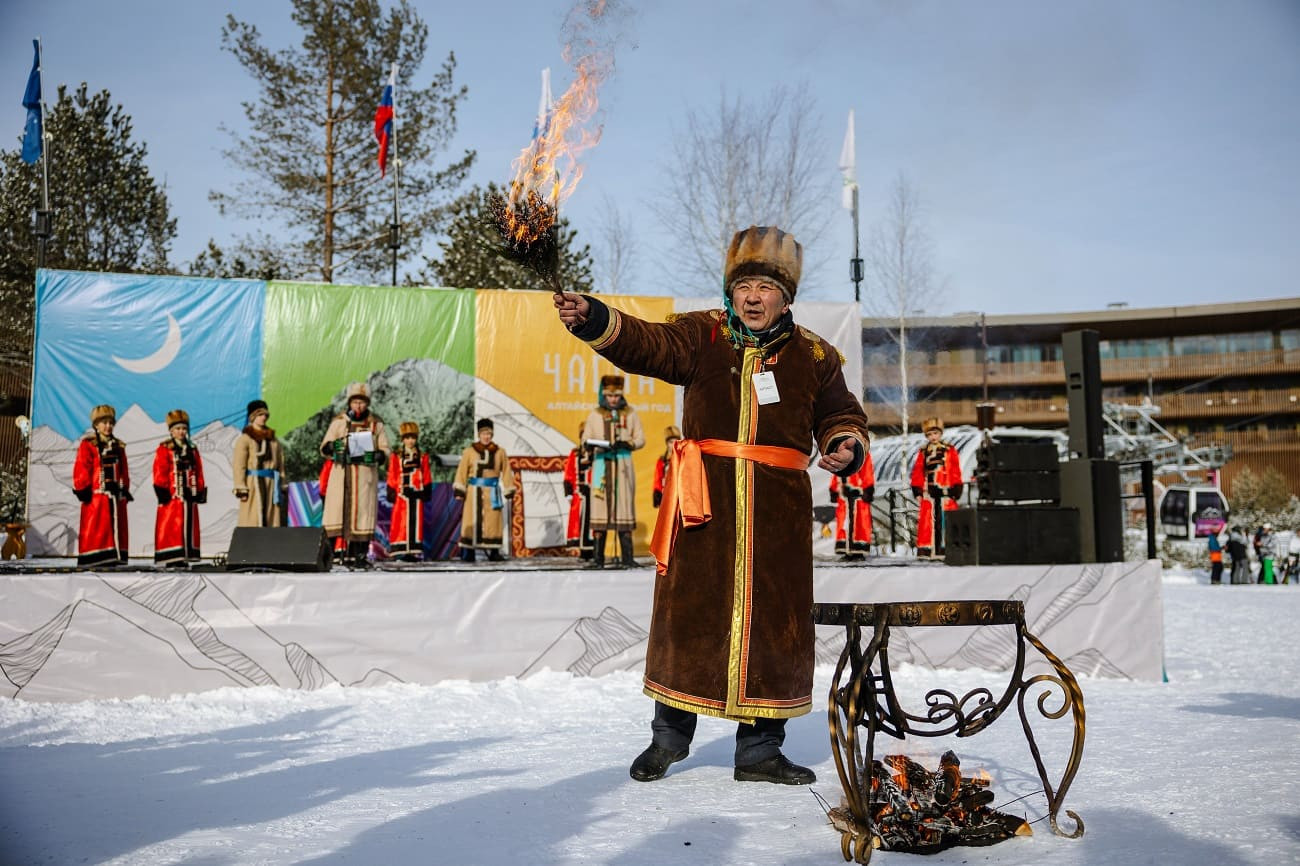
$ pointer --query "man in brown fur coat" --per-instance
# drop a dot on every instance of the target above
(731, 634)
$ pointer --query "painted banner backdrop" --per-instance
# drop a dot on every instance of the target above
(160, 343)
(438, 357)
(539, 384)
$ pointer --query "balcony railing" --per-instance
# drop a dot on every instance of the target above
(1054, 411)
(1115, 370)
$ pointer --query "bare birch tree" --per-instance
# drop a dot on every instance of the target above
(738, 165)
(616, 249)
(902, 278)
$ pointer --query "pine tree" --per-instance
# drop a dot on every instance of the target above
(109, 212)
(310, 155)
(473, 257)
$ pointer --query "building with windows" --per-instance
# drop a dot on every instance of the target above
(1220, 374)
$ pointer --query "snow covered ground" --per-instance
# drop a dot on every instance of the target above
(1199, 770)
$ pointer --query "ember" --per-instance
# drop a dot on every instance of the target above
(920, 812)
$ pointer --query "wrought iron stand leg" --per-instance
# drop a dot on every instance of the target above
(1072, 700)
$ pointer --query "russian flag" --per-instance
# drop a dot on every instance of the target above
(384, 120)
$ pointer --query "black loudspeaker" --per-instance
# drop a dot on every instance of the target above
(1018, 471)
(1013, 535)
(1023, 456)
(1020, 487)
(1083, 393)
(279, 548)
(1092, 486)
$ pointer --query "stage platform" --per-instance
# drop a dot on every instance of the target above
(70, 635)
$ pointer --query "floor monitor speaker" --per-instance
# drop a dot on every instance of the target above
(279, 548)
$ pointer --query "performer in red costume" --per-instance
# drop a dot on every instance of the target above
(852, 497)
(671, 435)
(101, 481)
(178, 482)
(577, 486)
(409, 487)
(936, 478)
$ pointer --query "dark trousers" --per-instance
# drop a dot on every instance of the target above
(1216, 572)
(674, 729)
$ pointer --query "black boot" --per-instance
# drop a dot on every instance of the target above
(494, 555)
(777, 769)
(654, 762)
(625, 547)
(598, 550)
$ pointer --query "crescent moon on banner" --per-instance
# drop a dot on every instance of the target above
(167, 353)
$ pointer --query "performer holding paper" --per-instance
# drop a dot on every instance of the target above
(356, 444)
(613, 429)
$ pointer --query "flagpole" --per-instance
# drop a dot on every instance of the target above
(44, 216)
(395, 227)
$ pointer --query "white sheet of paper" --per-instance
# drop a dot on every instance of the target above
(360, 443)
(765, 386)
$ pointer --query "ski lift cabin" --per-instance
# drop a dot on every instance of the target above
(1190, 511)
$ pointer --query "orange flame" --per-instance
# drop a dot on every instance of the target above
(547, 171)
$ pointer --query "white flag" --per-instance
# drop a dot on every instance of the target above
(848, 164)
(540, 126)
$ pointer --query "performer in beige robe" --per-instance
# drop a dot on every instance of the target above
(258, 470)
(614, 431)
(484, 481)
(357, 446)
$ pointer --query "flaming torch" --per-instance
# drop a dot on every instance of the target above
(547, 171)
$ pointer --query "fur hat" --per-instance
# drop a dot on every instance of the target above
(358, 389)
(177, 416)
(764, 251)
(672, 431)
(611, 381)
(485, 423)
(932, 424)
(408, 428)
(100, 413)
(256, 406)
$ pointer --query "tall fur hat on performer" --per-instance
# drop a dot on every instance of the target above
(485, 424)
(358, 390)
(408, 428)
(611, 381)
(102, 413)
(672, 431)
(932, 424)
(765, 251)
(255, 406)
(177, 416)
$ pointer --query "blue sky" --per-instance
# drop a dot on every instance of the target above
(1067, 155)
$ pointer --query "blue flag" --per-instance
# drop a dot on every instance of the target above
(32, 102)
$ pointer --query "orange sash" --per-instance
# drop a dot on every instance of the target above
(686, 489)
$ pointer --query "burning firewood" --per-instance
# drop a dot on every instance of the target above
(922, 812)
(527, 226)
